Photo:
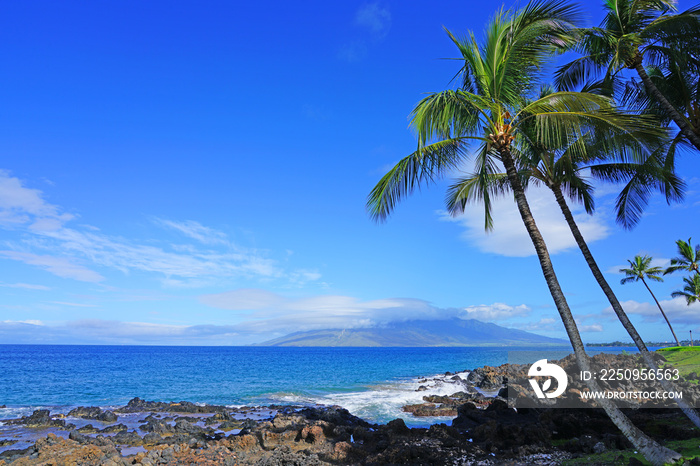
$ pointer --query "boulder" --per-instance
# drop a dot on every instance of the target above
(93, 412)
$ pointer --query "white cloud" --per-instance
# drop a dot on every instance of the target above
(496, 311)
(59, 266)
(375, 18)
(196, 230)
(590, 328)
(26, 286)
(544, 325)
(375, 22)
(30, 322)
(21, 206)
(509, 236)
(676, 309)
(63, 303)
(125, 255)
(266, 312)
(91, 331)
(64, 249)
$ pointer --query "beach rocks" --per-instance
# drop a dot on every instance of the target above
(41, 418)
(487, 378)
(95, 413)
(331, 435)
(485, 430)
(137, 405)
(56, 450)
(429, 409)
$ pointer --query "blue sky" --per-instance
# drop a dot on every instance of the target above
(173, 173)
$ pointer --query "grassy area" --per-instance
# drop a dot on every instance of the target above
(684, 358)
(688, 448)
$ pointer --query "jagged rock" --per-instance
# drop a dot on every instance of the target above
(137, 405)
(78, 437)
(230, 425)
(92, 412)
(429, 409)
(398, 426)
(130, 438)
(158, 426)
(114, 428)
(40, 418)
(86, 429)
(152, 438)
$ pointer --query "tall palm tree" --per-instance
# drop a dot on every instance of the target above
(491, 107)
(639, 270)
(688, 258)
(564, 171)
(635, 33)
(691, 290)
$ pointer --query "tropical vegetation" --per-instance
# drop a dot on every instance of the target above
(691, 290)
(609, 155)
(640, 269)
(688, 258)
(661, 47)
(497, 106)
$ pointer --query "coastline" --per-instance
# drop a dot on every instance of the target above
(479, 429)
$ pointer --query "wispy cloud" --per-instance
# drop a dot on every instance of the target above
(590, 328)
(22, 206)
(373, 22)
(60, 266)
(496, 311)
(374, 18)
(64, 303)
(509, 237)
(267, 312)
(26, 286)
(195, 230)
(677, 310)
(544, 325)
(260, 315)
(97, 331)
(52, 244)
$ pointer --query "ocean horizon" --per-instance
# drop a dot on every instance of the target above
(372, 383)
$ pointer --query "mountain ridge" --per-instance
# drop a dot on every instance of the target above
(418, 333)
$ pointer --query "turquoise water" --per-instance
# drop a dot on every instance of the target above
(371, 382)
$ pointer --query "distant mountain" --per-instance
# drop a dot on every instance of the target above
(446, 332)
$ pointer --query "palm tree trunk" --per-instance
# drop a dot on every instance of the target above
(667, 385)
(683, 124)
(662, 312)
(652, 451)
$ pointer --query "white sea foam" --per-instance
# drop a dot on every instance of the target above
(382, 403)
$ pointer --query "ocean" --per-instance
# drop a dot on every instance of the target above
(373, 383)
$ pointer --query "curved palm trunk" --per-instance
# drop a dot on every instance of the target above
(662, 311)
(684, 125)
(652, 451)
(687, 409)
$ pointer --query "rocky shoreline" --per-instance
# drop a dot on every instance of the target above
(485, 431)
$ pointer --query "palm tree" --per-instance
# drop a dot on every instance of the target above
(491, 107)
(691, 290)
(564, 172)
(688, 258)
(634, 33)
(640, 269)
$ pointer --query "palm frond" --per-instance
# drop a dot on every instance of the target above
(423, 166)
